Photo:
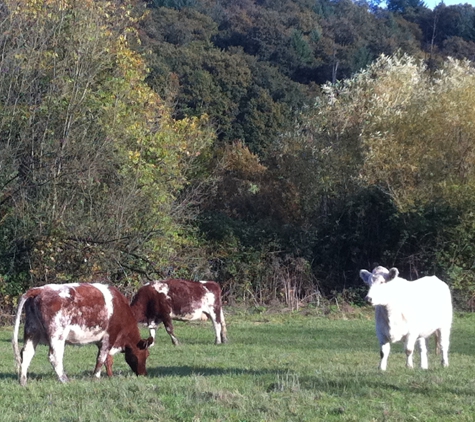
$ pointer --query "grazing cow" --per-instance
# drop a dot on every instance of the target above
(79, 314)
(182, 300)
(409, 310)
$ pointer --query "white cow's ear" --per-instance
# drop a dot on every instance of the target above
(366, 276)
(393, 273)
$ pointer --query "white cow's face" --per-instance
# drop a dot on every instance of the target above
(379, 293)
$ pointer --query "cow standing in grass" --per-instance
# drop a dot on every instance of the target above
(182, 300)
(57, 314)
(409, 310)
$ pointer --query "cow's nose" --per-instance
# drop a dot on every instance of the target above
(368, 299)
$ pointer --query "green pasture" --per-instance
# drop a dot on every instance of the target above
(276, 367)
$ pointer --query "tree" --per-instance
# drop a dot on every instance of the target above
(408, 131)
(403, 6)
(91, 161)
(400, 130)
(454, 21)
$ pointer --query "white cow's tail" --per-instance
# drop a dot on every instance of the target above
(16, 329)
(224, 331)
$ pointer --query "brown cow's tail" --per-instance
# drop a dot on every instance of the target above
(16, 329)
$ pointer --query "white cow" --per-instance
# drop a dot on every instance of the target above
(409, 310)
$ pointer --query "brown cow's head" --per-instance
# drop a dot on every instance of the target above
(136, 357)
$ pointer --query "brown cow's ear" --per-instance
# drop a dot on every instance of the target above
(145, 344)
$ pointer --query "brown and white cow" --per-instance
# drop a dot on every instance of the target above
(182, 300)
(79, 313)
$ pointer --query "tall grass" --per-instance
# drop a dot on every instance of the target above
(288, 367)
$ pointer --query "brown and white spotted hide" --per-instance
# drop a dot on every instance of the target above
(182, 300)
(59, 314)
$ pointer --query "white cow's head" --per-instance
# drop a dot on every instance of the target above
(378, 293)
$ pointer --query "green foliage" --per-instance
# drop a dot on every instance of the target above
(456, 257)
(388, 159)
(402, 6)
(302, 42)
(411, 129)
(246, 237)
(349, 182)
(92, 163)
(223, 111)
(173, 4)
(302, 50)
(454, 21)
(245, 99)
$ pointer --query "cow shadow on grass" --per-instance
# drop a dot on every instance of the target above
(366, 388)
(186, 371)
(373, 388)
(8, 376)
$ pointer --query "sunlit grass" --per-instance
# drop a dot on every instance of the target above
(275, 368)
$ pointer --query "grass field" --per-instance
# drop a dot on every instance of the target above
(276, 367)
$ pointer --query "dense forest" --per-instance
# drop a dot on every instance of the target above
(276, 147)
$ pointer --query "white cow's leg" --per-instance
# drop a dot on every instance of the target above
(423, 348)
(27, 353)
(444, 337)
(55, 356)
(409, 346)
(384, 352)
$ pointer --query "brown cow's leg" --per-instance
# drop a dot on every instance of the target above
(27, 353)
(102, 357)
(153, 332)
(55, 356)
(167, 322)
(109, 363)
(216, 325)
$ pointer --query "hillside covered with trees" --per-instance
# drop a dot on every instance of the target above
(274, 146)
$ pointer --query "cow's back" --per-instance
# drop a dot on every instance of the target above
(420, 307)
(79, 304)
(429, 306)
(185, 297)
(213, 287)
